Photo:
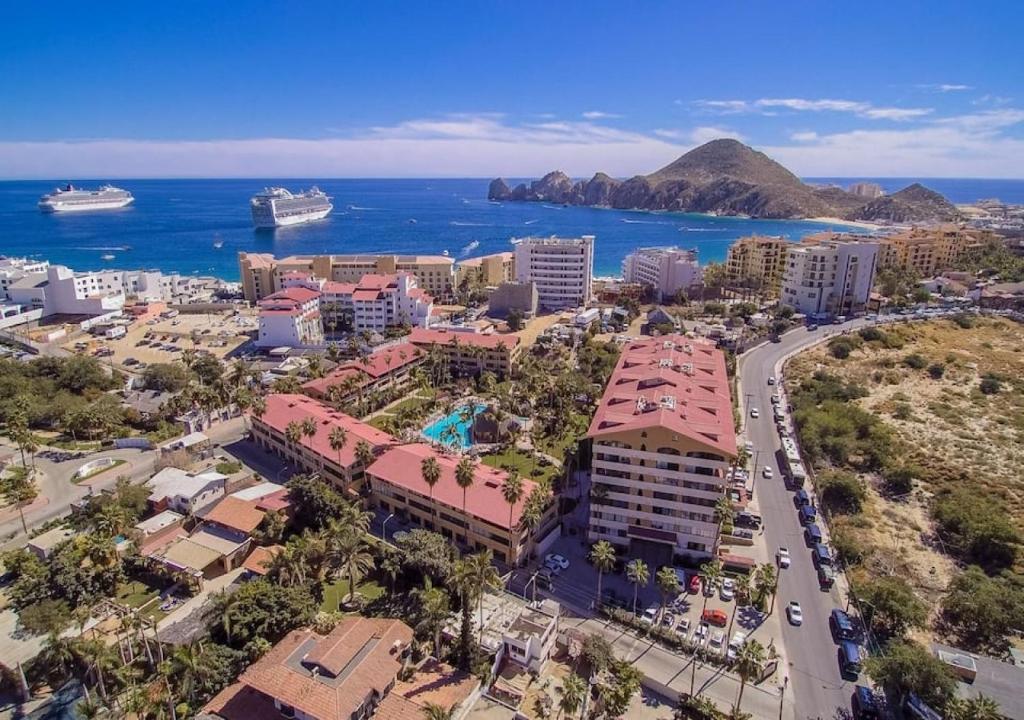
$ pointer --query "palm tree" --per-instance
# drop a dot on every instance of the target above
(433, 711)
(188, 669)
(475, 574)
(765, 578)
(572, 693)
(293, 432)
(258, 407)
(288, 566)
(431, 472)
(749, 662)
(309, 428)
(711, 572)
(364, 454)
(603, 557)
(338, 439)
(978, 708)
(347, 551)
(668, 585)
(638, 574)
(434, 611)
(742, 591)
(465, 474)
(512, 491)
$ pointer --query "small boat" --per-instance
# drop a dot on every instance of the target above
(445, 253)
(218, 244)
(411, 221)
(107, 256)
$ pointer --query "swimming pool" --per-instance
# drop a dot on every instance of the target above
(436, 430)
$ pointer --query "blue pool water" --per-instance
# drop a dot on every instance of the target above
(435, 430)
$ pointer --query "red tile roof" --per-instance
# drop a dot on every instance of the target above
(400, 466)
(376, 366)
(241, 702)
(259, 559)
(296, 294)
(237, 514)
(427, 336)
(674, 382)
(285, 408)
(360, 656)
(338, 288)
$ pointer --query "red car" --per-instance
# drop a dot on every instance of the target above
(715, 617)
(695, 584)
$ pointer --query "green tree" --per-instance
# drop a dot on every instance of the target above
(426, 554)
(977, 708)
(314, 501)
(512, 492)
(571, 694)
(908, 667)
(602, 554)
(639, 575)
(894, 608)
(476, 574)
(430, 470)
(977, 527)
(668, 585)
(165, 377)
(19, 489)
(465, 474)
(434, 609)
(841, 492)
(983, 611)
(348, 552)
(433, 711)
(625, 683)
(260, 609)
(337, 438)
(750, 663)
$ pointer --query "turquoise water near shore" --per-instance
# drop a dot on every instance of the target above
(173, 225)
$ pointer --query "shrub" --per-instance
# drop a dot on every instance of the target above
(228, 467)
(964, 320)
(936, 371)
(842, 346)
(894, 606)
(870, 334)
(977, 527)
(908, 667)
(983, 611)
(841, 492)
(903, 411)
(848, 547)
(990, 384)
(915, 361)
(899, 479)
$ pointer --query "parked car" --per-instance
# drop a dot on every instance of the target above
(552, 559)
(864, 704)
(822, 555)
(826, 577)
(648, 615)
(801, 498)
(715, 617)
(841, 625)
(771, 379)
(748, 446)
(849, 659)
(739, 639)
(728, 591)
(684, 627)
(717, 641)
(695, 584)
(795, 613)
(783, 557)
(746, 518)
(700, 633)
(808, 514)
(812, 535)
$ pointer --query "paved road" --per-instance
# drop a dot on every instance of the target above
(816, 686)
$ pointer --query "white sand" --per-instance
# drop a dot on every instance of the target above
(850, 223)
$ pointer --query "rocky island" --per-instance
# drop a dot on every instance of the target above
(726, 177)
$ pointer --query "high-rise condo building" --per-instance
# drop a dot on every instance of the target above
(666, 270)
(832, 278)
(561, 268)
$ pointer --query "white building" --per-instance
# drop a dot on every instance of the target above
(529, 640)
(833, 278)
(561, 268)
(62, 291)
(667, 270)
(185, 492)
(377, 302)
(12, 269)
(290, 318)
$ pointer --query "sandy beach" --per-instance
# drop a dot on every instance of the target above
(848, 223)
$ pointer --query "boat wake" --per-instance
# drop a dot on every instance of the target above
(357, 207)
(530, 222)
(553, 207)
(644, 222)
(459, 223)
(469, 248)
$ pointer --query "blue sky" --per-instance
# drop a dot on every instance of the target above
(478, 89)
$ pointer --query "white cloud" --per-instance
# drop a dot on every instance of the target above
(765, 106)
(698, 135)
(944, 87)
(599, 115)
(807, 136)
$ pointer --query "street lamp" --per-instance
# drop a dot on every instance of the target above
(384, 528)
(782, 694)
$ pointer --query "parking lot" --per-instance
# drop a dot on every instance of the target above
(162, 340)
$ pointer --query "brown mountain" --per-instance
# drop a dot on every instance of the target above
(728, 178)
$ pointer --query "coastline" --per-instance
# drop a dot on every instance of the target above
(849, 223)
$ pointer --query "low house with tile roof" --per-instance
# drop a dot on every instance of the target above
(397, 485)
(390, 367)
(314, 454)
(470, 353)
(345, 675)
(662, 441)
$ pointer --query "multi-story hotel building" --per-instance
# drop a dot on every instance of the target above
(757, 259)
(831, 278)
(662, 441)
(487, 270)
(261, 273)
(397, 485)
(666, 270)
(471, 352)
(290, 318)
(561, 268)
(377, 302)
(314, 453)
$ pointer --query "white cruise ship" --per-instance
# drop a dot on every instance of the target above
(72, 199)
(277, 207)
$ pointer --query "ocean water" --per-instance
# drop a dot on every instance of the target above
(174, 224)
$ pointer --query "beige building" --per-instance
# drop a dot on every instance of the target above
(261, 273)
(663, 440)
(470, 352)
(758, 258)
(487, 270)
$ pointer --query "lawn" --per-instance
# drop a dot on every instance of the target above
(337, 590)
(136, 594)
(527, 465)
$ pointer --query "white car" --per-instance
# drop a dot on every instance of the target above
(649, 614)
(717, 641)
(739, 639)
(795, 613)
(748, 446)
(783, 557)
(728, 589)
(754, 413)
(767, 472)
(684, 627)
(553, 561)
(700, 634)
(771, 379)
